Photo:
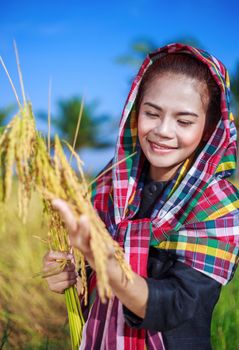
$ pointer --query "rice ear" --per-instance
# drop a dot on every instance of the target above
(9, 150)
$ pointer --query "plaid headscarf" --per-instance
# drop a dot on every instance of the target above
(196, 219)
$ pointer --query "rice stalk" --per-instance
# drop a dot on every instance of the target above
(19, 73)
(8, 153)
(77, 127)
(49, 118)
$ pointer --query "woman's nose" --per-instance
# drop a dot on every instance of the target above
(164, 128)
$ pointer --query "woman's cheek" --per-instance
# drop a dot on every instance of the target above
(189, 139)
(146, 127)
(142, 130)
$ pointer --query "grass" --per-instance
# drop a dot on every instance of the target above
(225, 325)
(31, 317)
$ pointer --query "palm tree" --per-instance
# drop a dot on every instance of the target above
(4, 114)
(137, 51)
(139, 48)
(235, 102)
(95, 130)
(235, 90)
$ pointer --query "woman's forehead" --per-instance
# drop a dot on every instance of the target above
(179, 88)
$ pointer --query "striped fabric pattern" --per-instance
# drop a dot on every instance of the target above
(196, 218)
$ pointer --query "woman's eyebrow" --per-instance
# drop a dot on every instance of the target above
(189, 113)
(153, 105)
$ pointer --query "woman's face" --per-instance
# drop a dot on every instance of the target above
(171, 122)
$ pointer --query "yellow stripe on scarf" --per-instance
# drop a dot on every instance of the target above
(133, 126)
(183, 171)
(231, 117)
(223, 211)
(225, 166)
(227, 80)
(199, 248)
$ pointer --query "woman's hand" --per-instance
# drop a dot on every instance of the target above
(79, 230)
(60, 279)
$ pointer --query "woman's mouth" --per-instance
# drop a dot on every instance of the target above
(161, 148)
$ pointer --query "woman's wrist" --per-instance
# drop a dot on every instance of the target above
(133, 294)
(115, 273)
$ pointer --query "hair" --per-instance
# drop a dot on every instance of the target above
(186, 65)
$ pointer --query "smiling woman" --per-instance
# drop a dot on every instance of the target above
(178, 105)
(169, 206)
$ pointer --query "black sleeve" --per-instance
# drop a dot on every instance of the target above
(180, 294)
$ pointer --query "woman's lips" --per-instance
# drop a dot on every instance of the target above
(157, 148)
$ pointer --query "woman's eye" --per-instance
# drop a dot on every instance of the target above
(152, 115)
(184, 122)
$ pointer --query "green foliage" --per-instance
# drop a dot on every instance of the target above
(235, 93)
(235, 82)
(4, 113)
(91, 126)
(225, 335)
(139, 48)
(137, 52)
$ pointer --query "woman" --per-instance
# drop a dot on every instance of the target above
(170, 207)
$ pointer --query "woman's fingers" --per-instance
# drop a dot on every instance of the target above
(69, 266)
(59, 270)
(79, 230)
(81, 238)
(66, 214)
(53, 256)
(55, 268)
(63, 276)
(57, 279)
(60, 287)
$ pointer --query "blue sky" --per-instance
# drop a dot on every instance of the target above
(75, 43)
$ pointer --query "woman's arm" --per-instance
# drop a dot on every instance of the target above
(133, 294)
(183, 297)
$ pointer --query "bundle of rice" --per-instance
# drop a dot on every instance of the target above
(23, 149)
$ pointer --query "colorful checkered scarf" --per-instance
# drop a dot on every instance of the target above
(196, 219)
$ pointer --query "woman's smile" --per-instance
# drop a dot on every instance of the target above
(160, 148)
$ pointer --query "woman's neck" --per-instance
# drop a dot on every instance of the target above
(162, 174)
